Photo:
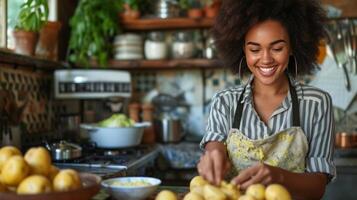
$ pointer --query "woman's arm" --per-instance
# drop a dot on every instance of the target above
(301, 185)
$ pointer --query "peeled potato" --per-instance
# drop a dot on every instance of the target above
(257, 191)
(211, 192)
(197, 181)
(230, 190)
(246, 197)
(193, 196)
(277, 192)
(166, 195)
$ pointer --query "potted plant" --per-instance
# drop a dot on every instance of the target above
(192, 7)
(211, 7)
(93, 25)
(130, 10)
(48, 40)
(33, 14)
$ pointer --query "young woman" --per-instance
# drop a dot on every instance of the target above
(272, 129)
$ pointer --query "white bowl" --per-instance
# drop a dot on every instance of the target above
(134, 192)
(115, 137)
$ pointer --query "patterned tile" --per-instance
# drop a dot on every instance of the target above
(35, 87)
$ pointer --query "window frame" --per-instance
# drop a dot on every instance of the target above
(3, 23)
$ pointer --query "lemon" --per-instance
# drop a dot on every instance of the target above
(39, 160)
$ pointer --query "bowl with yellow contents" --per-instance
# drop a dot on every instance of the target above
(131, 188)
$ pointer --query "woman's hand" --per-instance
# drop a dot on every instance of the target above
(214, 163)
(259, 173)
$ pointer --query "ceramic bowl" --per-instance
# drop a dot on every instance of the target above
(131, 188)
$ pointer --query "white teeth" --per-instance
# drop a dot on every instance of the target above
(265, 69)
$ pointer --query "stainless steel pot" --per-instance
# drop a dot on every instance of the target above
(169, 130)
(64, 150)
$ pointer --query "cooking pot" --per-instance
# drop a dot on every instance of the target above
(169, 129)
(64, 150)
(115, 137)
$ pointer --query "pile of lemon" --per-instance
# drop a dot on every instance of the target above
(33, 173)
(200, 189)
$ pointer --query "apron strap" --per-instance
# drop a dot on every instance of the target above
(295, 107)
(239, 110)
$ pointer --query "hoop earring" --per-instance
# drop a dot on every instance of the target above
(240, 68)
(296, 67)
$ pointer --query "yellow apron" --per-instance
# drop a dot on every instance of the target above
(286, 149)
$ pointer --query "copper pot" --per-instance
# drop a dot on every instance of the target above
(345, 140)
(354, 139)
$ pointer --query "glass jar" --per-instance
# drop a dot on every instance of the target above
(155, 46)
(182, 45)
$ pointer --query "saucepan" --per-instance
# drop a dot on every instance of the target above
(115, 137)
(64, 150)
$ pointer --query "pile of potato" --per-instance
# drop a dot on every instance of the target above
(33, 173)
(200, 189)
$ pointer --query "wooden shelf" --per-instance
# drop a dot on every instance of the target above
(162, 64)
(171, 23)
(17, 60)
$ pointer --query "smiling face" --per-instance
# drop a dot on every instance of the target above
(267, 50)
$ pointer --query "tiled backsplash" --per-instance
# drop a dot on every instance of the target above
(194, 87)
(35, 88)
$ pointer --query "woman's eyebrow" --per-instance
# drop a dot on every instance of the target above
(272, 43)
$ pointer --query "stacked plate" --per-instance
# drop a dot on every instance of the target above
(128, 46)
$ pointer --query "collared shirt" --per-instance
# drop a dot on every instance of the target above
(316, 120)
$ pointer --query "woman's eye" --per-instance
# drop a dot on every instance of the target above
(254, 50)
(277, 49)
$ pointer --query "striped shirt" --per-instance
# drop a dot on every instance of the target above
(316, 120)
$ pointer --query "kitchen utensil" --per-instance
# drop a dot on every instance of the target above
(169, 129)
(337, 47)
(345, 140)
(90, 187)
(64, 150)
(69, 126)
(116, 137)
(130, 187)
(166, 8)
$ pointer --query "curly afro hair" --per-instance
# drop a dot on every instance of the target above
(303, 20)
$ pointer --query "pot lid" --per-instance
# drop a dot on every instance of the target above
(64, 145)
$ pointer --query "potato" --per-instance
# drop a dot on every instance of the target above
(257, 191)
(193, 196)
(166, 195)
(211, 192)
(277, 192)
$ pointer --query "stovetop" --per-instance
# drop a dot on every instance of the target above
(110, 162)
